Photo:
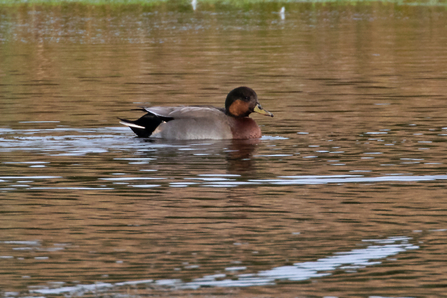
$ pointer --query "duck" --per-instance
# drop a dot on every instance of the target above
(202, 122)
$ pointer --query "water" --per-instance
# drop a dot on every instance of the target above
(343, 196)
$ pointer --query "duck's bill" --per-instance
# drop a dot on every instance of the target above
(260, 110)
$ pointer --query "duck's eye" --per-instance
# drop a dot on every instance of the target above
(246, 97)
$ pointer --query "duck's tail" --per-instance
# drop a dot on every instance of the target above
(144, 126)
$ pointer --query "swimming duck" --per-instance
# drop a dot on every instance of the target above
(203, 122)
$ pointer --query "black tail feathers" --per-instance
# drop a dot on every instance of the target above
(144, 126)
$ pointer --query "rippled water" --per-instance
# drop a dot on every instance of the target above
(344, 195)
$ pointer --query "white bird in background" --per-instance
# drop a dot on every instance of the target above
(282, 13)
(194, 4)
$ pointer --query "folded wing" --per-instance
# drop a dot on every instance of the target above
(145, 126)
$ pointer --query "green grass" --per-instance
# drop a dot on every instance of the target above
(231, 2)
(91, 2)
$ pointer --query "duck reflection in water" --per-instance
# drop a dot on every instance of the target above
(239, 156)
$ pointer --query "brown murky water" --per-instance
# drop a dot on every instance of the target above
(343, 196)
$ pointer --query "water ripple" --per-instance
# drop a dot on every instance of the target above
(290, 180)
(350, 260)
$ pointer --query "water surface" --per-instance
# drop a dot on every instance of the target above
(343, 196)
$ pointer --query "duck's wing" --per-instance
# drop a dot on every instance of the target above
(145, 126)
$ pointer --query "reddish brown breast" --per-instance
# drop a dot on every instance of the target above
(245, 128)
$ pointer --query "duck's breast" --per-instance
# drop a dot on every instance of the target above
(245, 128)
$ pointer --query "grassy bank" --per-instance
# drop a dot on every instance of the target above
(235, 2)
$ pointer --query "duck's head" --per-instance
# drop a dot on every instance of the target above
(243, 101)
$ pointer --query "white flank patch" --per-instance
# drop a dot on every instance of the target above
(132, 125)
